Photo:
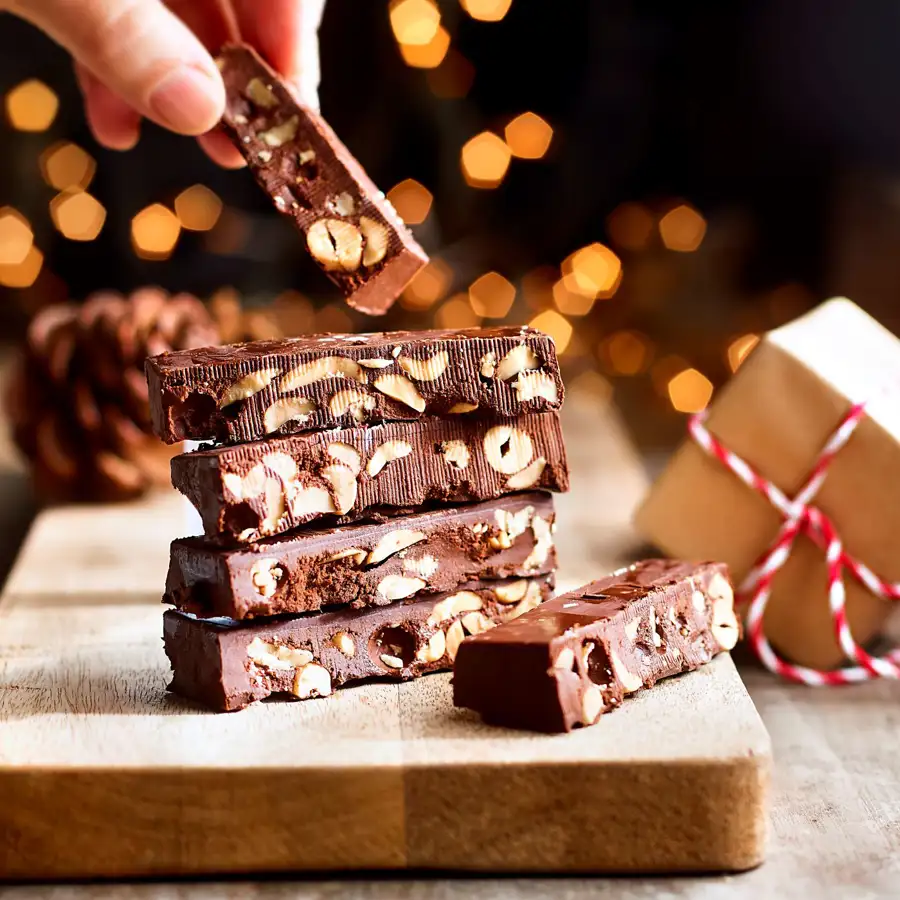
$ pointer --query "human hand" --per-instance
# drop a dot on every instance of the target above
(148, 58)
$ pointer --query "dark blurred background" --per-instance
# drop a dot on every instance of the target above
(652, 183)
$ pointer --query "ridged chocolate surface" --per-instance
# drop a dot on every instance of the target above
(365, 565)
(312, 176)
(226, 665)
(268, 487)
(577, 657)
(240, 392)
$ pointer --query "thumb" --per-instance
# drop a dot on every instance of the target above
(142, 52)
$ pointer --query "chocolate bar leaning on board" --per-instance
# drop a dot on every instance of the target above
(226, 665)
(579, 655)
(249, 391)
(351, 230)
(248, 491)
(367, 564)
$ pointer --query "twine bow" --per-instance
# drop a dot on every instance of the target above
(802, 518)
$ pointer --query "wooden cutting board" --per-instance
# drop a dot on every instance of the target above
(102, 773)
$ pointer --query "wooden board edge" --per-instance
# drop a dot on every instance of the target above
(216, 821)
(691, 816)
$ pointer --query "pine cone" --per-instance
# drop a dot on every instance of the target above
(78, 402)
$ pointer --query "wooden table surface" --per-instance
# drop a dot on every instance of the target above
(835, 820)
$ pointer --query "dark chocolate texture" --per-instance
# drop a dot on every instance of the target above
(245, 392)
(365, 565)
(580, 654)
(351, 230)
(254, 490)
(226, 665)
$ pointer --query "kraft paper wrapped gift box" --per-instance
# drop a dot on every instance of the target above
(777, 413)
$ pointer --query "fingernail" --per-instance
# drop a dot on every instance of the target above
(188, 100)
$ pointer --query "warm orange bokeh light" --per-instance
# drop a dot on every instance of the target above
(414, 22)
(528, 136)
(427, 56)
(537, 287)
(739, 349)
(66, 167)
(630, 226)
(334, 319)
(429, 286)
(78, 216)
(682, 229)
(486, 10)
(16, 237)
(627, 352)
(485, 160)
(411, 200)
(557, 326)
(198, 208)
(25, 273)
(690, 391)
(453, 78)
(568, 298)
(492, 295)
(457, 312)
(595, 271)
(154, 232)
(31, 106)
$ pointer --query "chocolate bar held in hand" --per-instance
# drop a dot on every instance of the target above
(351, 230)
(365, 565)
(579, 655)
(249, 491)
(226, 665)
(248, 391)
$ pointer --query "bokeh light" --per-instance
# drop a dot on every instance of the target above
(198, 208)
(486, 10)
(230, 235)
(682, 229)
(537, 287)
(569, 299)
(664, 370)
(293, 313)
(78, 216)
(492, 295)
(626, 352)
(66, 167)
(690, 391)
(740, 348)
(453, 78)
(557, 326)
(16, 237)
(595, 271)
(427, 56)
(630, 226)
(430, 285)
(485, 160)
(31, 106)
(528, 136)
(25, 273)
(592, 385)
(457, 312)
(335, 319)
(411, 200)
(414, 22)
(154, 232)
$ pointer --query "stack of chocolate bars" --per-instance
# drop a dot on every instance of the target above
(368, 502)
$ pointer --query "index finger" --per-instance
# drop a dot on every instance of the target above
(285, 32)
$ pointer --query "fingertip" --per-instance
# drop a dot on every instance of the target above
(114, 123)
(220, 150)
(189, 99)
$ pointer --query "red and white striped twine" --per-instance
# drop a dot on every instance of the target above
(800, 517)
